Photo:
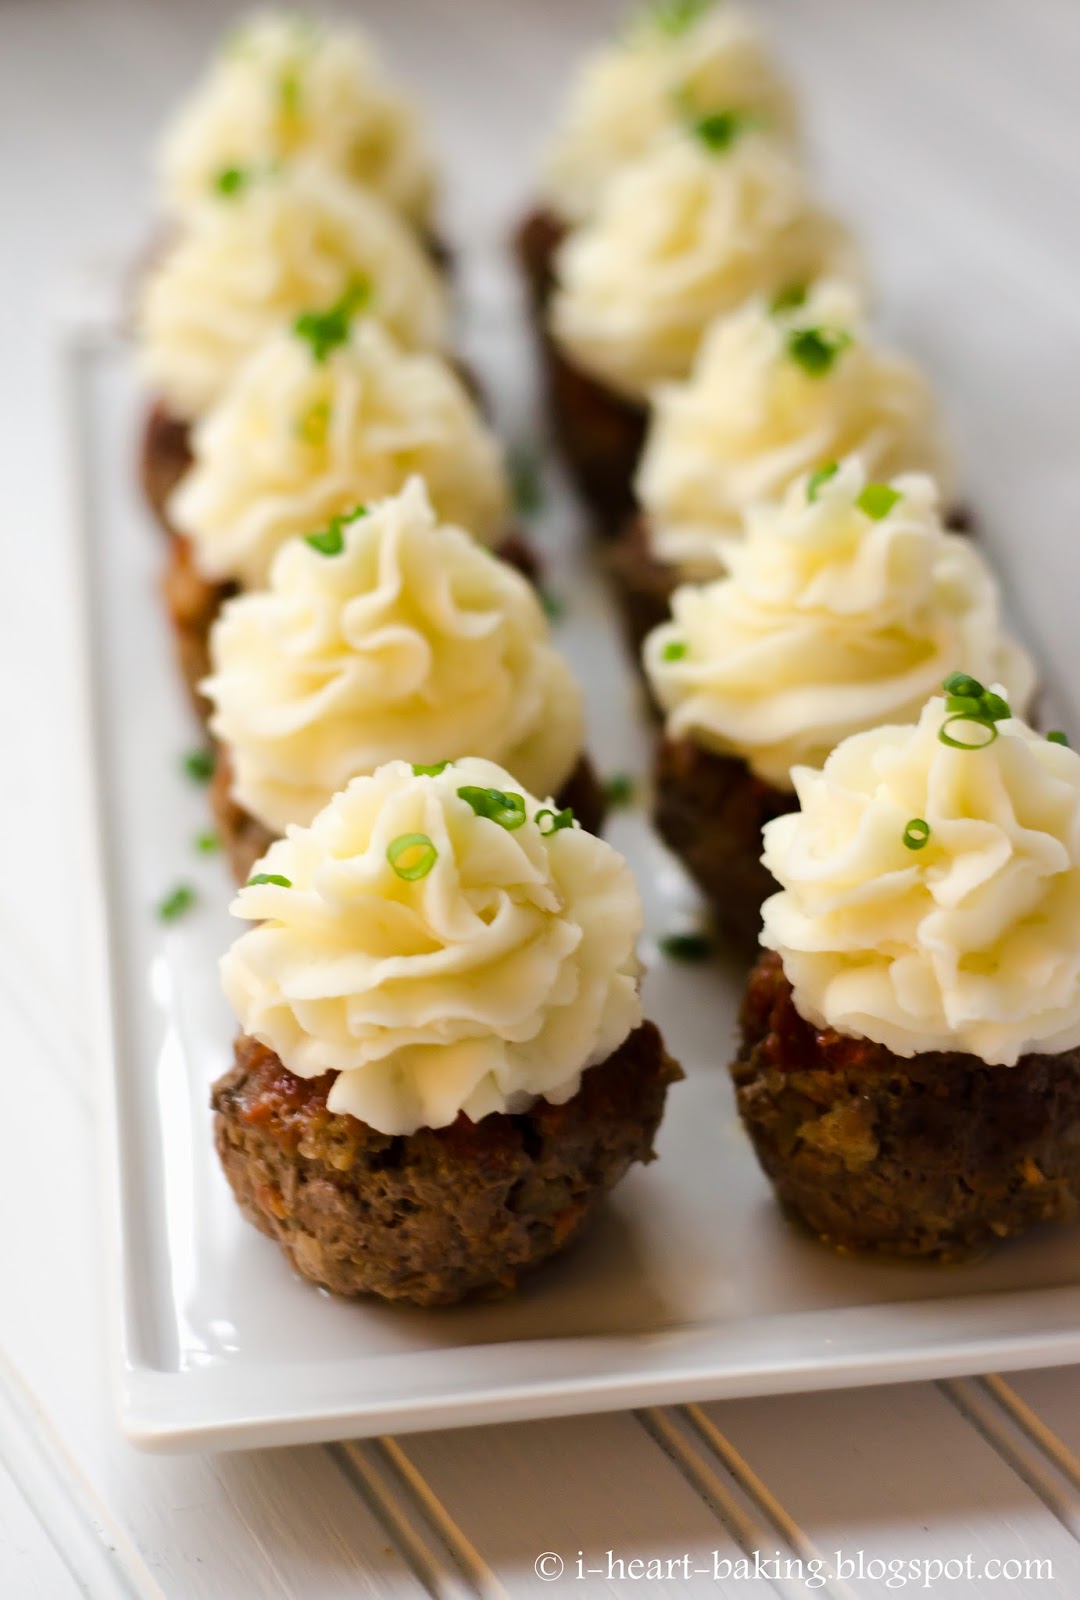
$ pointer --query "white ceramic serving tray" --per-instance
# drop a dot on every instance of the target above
(689, 1286)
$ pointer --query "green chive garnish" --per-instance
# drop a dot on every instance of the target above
(331, 541)
(325, 330)
(1057, 737)
(967, 701)
(176, 902)
(817, 480)
(788, 299)
(674, 650)
(526, 485)
(230, 181)
(559, 819)
(207, 844)
(199, 765)
(916, 833)
(412, 856)
(686, 946)
(420, 771)
(269, 877)
(508, 810)
(619, 788)
(289, 91)
(877, 500)
(554, 609)
(816, 349)
(718, 130)
(676, 16)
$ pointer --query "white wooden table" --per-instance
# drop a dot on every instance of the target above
(975, 120)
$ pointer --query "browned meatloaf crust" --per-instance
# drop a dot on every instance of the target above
(245, 841)
(710, 810)
(936, 1155)
(164, 457)
(600, 435)
(192, 603)
(444, 1213)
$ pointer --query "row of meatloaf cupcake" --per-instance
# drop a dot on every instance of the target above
(442, 1062)
(674, 192)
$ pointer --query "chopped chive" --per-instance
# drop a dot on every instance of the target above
(816, 349)
(269, 877)
(619, 788)
(1057, 737)
(718, 130)
(412, 856)
(989, 728)
(331, 540)
(966, 700)
(554, 609)
(526, 481)
(677, 16)
(176, 902)
(877, 500)
(231, 180)
(199, 765)
(507, 809)
(559, 819)
(789, 298)
(916, 833)
(674, 650)
(326, 330)
(420, 771)
(961, 683)
(208, 843)
(817, 480)
(686, 946)
(289, 91)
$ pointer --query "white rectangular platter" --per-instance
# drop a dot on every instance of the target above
(690, 1285)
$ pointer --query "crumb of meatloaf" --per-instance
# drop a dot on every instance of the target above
(937, 1155)
(442, 1214)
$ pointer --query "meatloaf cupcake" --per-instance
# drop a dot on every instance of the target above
(845, 606)
(442, 1063)
(325, 415)
(717, 213)
(283, 87)
(777, 388)
(268, 245)
(677, 59)
(910, 1063)
(386, 635)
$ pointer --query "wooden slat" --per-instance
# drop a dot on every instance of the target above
(30, 1566)
(584, 1484)
(898, 1473)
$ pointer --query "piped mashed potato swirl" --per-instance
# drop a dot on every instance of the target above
(775, 392)
(298, 440)
(966, 943)
(251, 261)
(833, 619)
(677, 61)
(411, 641)
(499, 974)
(283, 87)
(682, 236)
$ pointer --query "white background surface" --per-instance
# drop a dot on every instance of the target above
(947, 130)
